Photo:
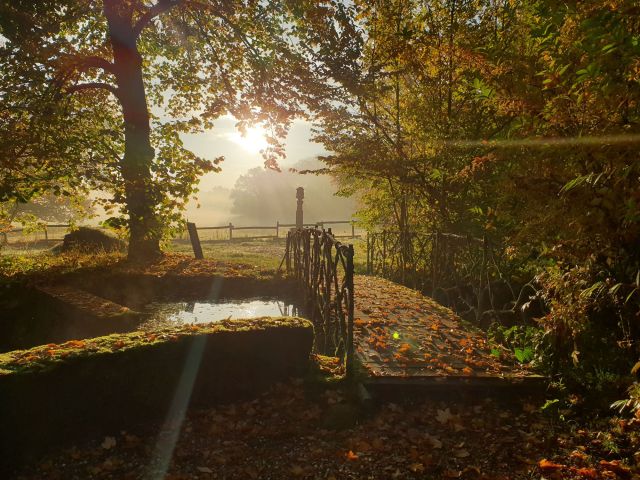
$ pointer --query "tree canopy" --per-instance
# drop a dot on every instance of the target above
(517, 121)
(96, 94)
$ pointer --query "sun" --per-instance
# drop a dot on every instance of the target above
(252, 141)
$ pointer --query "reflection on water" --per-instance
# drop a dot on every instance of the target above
(171, 313)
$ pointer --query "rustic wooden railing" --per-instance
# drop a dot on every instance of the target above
(324, 269)
(458, 271)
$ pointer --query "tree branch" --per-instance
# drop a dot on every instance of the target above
(94, 85)
(157, 9)
(85, 63)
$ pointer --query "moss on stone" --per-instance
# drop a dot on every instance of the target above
(47, 356)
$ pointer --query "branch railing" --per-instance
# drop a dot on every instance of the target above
(323, 267)
(458, 271)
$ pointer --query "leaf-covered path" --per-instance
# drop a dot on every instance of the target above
(401, 333)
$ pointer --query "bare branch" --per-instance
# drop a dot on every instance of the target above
(157, 9)
(94, 85)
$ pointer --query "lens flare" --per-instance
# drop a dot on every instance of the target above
(544, 142)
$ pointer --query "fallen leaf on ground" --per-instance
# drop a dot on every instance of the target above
(297, 470)
(434, 441)
(351, 456)
(616, 467)
(549, 466)
(443, 416)
(587, 472)
(108, 443)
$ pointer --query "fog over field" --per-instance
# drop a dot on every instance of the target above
(262, 197)
(246, 194)
(243, 192)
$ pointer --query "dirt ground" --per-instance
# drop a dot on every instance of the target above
(293, 431)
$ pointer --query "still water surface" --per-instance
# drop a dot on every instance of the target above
(175, 313)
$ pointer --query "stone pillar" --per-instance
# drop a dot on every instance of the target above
(299, 215)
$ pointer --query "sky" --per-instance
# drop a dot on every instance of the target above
(243, 153)
(214, 206)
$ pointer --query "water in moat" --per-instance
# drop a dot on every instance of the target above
(160, 314)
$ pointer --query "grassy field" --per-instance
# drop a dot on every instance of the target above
(260, 253)
(264, 254)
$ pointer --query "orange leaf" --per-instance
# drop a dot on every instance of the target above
(587, 472)
(616, 467)
(548, 466)
(351, 456)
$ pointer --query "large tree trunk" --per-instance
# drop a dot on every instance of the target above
(141, 195)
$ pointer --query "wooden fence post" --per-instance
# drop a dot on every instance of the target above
(195, 241)
(230, 231)
(277, 228)
(353, 230)
(299, 213)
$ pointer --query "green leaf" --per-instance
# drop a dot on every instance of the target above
(523, 355)
(593, 290)
(613, 290)
(436, 174)
(576, 182)
(550, 403)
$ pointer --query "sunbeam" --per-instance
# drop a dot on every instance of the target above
(170, 432)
